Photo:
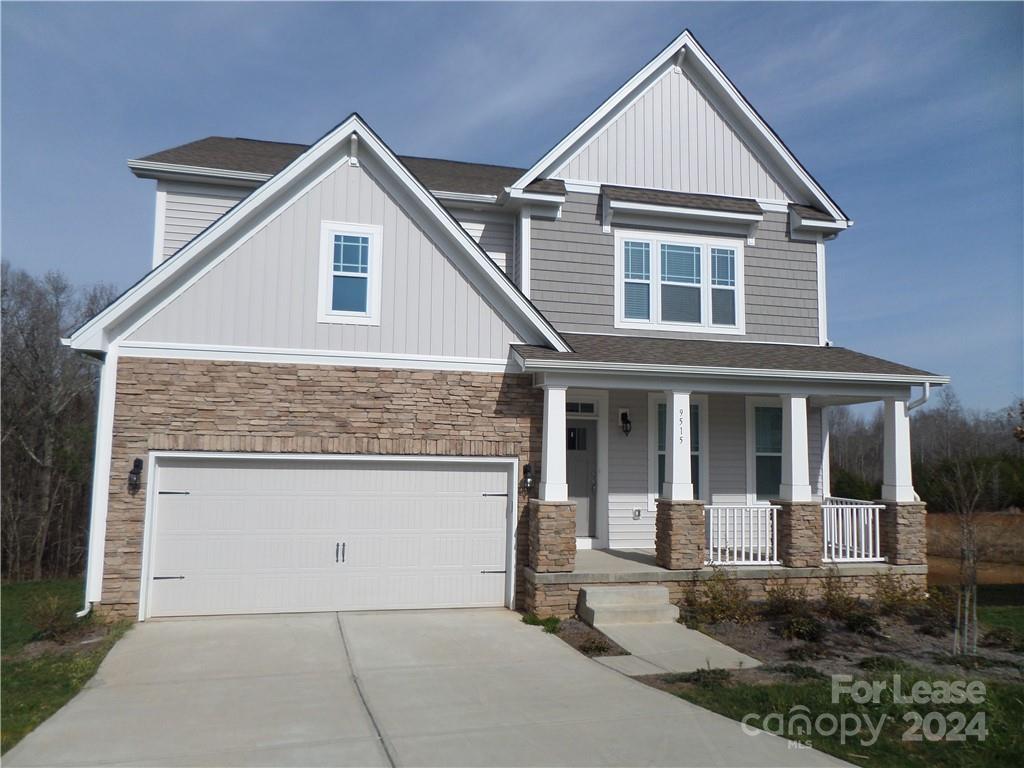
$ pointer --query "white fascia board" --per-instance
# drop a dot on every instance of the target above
(540, 366)
(691, 213)
(534, 197)
(93, 335)
(683, 51)
(150, 169)
(464, 197)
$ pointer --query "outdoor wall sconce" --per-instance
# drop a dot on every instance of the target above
(625, 423)
(135, 476)
(527, 476)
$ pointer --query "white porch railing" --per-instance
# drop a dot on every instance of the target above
(851, 530)
(740, 535)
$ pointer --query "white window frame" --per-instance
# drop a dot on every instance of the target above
(328, 231)
(752, 403)
(705, 243)
(654, 399)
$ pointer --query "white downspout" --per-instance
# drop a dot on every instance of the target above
(922, 399)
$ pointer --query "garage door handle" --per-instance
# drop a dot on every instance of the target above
(493, 571)
(495, 494)
(343, 551)
(165, 578)
(337, 548)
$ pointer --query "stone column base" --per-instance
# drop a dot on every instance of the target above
(552, 547)
(801, 533)
(902, 532)
(679, 542)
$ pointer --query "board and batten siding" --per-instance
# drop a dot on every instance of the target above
(188, 209)
(493, 231)
(726, 455)
(572, 276)
(673, 137)
(264, 293)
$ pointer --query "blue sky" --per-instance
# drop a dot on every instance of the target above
(911, 115)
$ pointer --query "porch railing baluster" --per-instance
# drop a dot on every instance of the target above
(850, 529)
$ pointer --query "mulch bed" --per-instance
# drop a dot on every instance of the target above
(587, 640)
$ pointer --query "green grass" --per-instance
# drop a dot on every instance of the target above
(550, 623)
(1009, 616)
(33, 689)
(1004, 708)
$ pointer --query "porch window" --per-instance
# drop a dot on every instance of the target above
(767, 452)
(694, 447)
(678, 282)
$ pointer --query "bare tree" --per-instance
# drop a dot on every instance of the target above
(48, 410)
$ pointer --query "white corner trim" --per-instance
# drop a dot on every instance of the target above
(92, 335)
(822, 294)
(176, 351)
(159, 223)
(375, 234)
(524, 250)
(101, 477)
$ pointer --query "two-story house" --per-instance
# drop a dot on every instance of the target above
(356, 380)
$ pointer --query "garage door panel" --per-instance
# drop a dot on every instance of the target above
(261, 536)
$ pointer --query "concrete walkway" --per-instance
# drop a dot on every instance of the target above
(669, 647)
(431, 688)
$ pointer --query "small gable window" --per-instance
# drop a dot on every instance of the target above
(695, 283)
(350, 273)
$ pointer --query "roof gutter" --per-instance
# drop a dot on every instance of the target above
(147, 169)
(541, 366)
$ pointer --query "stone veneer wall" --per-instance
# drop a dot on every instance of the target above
(217, 406)
(556, 594)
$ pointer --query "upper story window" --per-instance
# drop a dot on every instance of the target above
(350, 273)
(678, 282)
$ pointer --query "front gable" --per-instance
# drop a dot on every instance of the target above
(250, 281)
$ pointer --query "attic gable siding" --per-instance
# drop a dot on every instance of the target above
(264, 294)
(672, 137)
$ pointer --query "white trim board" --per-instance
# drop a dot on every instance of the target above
(154, 459)
(258, 208)
(687, 53)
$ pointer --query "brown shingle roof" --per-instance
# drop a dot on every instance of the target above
(270, 157)
(806, 212)
(681, 199)
(634, 350)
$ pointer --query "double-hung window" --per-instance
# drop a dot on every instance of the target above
(678, 282)
(767, 452)
(350, 273)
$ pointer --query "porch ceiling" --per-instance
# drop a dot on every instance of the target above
(605, 353)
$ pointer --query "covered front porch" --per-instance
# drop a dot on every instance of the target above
(661, 474)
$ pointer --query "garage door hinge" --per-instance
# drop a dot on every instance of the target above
(165, 578)
(173, 493)
(495, 494)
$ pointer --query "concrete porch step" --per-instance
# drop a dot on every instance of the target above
(626, 605)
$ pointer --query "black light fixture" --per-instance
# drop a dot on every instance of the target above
(527, 476)
(135, 476)
(625, 423)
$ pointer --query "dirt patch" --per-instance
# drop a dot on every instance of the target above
(587, 640)
(82, 639)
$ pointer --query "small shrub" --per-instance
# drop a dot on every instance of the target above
(722, 599)
(593, 647)
(49, 617)
(800, 671)
(550, 623)
(999, 637)
(805, 652)
(705, 677)
(935, 615)
(786, 599)
(881, 664)
(806, 628)
(837, 600)
(894, 595)
(863, 623)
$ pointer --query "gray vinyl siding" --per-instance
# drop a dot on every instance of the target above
(264, 294)
(493, 231)
(673, 137)
(191, 208)
(726, 453)
(572, 277)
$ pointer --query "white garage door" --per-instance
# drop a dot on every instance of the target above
(259, 536)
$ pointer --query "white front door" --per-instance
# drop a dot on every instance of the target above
(260, 536)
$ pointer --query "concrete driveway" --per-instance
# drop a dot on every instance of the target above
(444, 688)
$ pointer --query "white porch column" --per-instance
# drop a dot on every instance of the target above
(897, 484)
(553, 485)
(796, 483)
(678, 483)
